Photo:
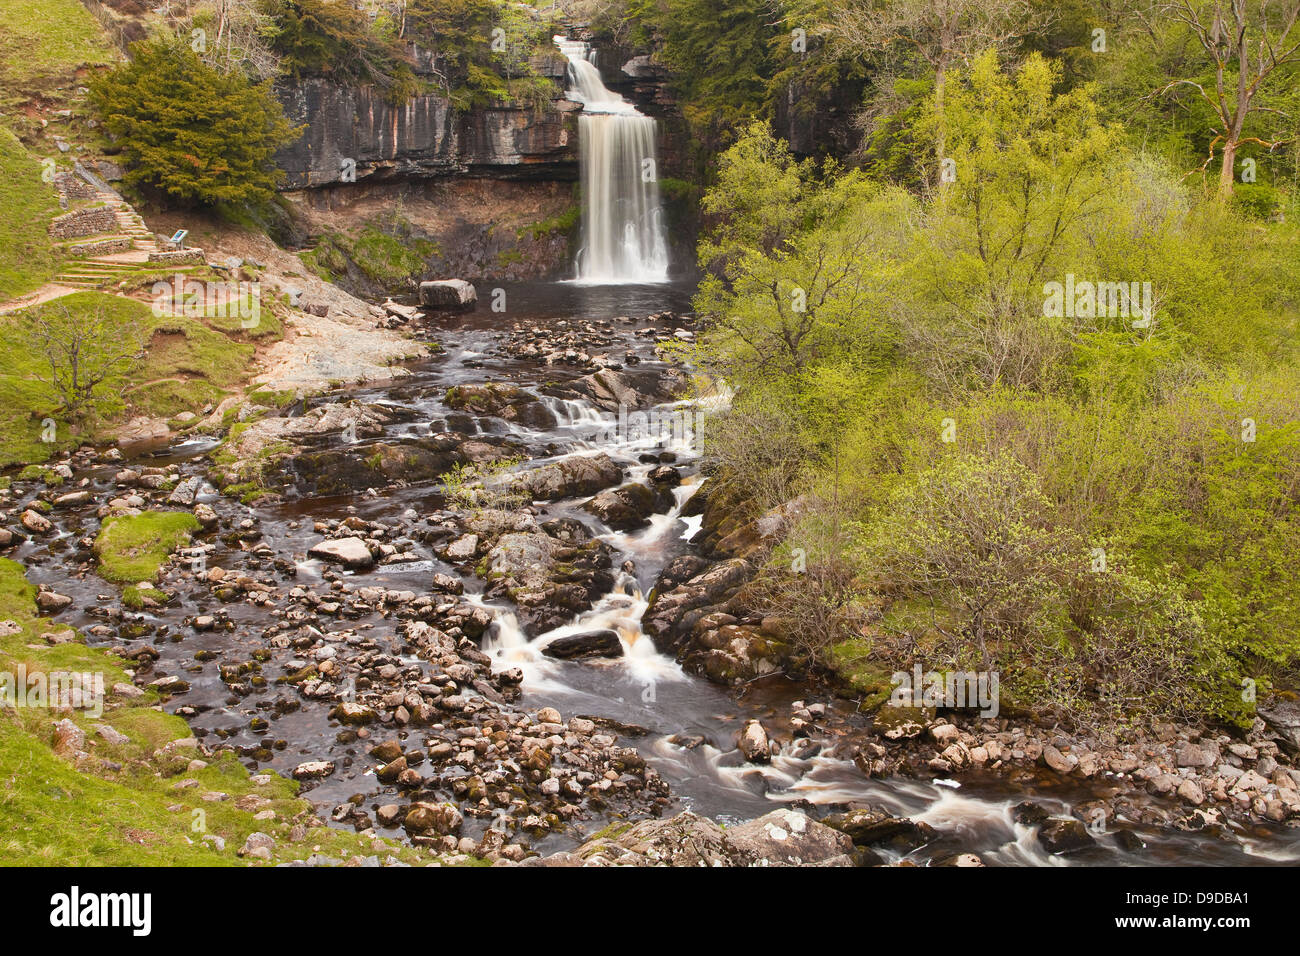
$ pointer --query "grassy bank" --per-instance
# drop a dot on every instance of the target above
(187, 365)
(140, 793)
(27, 256)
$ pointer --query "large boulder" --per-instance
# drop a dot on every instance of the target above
(549, 581)
(1064, 836)
(624, 508)
(603, 643)
(412, 460)
(672, 612)
(790, 838)
(503, 401)
(1282, 722)
(448, 295)
(868, 826)
(569, 478)
(349, 552)
(781, 838)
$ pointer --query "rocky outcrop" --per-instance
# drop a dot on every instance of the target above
(574, 476)
(507, 402)
(449, 295)
(627, 507)
(352, 134)
(603, 643)
(549, 581)
(780, 838)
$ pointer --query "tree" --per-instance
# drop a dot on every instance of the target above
(1249, 44)
(941, 33)
(802, 261)
(473, 69)
(190, 131)
(333, 38)
(976, 535)
(85, 348)
(1031, 171)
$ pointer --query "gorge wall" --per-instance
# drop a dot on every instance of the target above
(494, 189)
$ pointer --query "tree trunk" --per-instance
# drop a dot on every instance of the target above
(940, 138)
(1228, 171)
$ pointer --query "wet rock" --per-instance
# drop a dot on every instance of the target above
(313, 769)
(868, 826)
(349, 552)
(753, 742)
(790, 838)
(1129, 841)
(625, 508)
(781, 838)
(389, 772)
(604, 643)
(35, 522)
(353, 713)
(445, 582)
(1064, 836)
(507, 402)
(432, 818)
(463, 548)
(567, 530)
(185, 491)
(669, 617)
(1029, 814)
(386, 752)
(549, 581)
(1061, 763)
(731, 653)
(51, 602)
(569, 478)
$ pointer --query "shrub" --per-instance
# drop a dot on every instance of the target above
(193, 133)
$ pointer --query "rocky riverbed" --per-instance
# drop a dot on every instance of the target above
(552, 659)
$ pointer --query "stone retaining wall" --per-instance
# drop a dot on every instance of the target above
(103, 248)
(93, 221)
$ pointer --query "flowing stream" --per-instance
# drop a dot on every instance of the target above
(622, 229)
(691, 724)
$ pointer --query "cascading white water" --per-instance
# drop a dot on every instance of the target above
(622, 230)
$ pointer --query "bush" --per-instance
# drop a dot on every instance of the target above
(189, 131)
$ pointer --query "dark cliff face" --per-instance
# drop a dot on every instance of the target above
(820, 125)
(421, 138)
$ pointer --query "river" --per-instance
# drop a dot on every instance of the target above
(691, 723)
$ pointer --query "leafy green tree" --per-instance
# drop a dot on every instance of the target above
(192, 133)
(333, 38)
(1249, 48)
(85, 349)
(477, 66)
(978, 534)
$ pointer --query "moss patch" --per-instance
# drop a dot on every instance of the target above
(132, 548)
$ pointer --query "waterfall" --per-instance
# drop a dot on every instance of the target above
(622, 232)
